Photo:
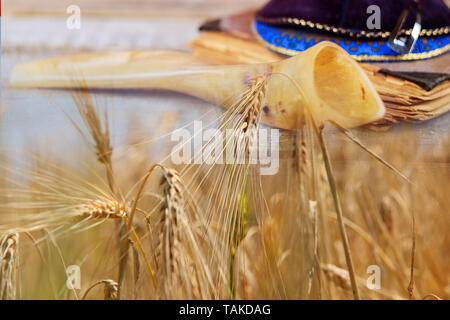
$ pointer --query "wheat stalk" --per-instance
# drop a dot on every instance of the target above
(8, 265)
(338, 207)
(110, 292)
(183, 240)
(318, 129)
(107, 209)
(99, 130)
(249, 106)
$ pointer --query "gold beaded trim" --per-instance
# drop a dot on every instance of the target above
(349, 32)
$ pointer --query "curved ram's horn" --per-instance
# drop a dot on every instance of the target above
(323, 78)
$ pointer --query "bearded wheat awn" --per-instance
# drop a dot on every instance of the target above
(334, 86)
(112, 209)
(181, 267)
(250, 108)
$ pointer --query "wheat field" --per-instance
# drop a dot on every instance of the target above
(142, 228)
(349, 214)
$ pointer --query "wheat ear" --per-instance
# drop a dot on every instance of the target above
(8, 265)
(114, 210)
(173, 210)
(110, 292)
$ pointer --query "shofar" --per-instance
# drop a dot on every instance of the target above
(324, 79)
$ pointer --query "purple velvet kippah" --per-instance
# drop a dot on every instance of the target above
(405, 30)
(351, 14)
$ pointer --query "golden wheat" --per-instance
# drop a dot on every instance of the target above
(104, 209)
(110, 291)
(8, 265)
(223, 232)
